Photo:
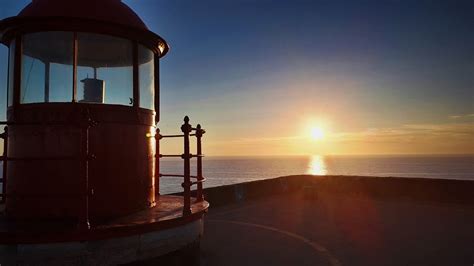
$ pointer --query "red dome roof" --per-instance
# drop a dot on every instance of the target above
(103, 10)
(110, 17)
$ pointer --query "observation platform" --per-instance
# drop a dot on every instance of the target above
(337, 230)
(338, 220)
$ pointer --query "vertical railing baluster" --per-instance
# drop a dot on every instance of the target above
(186, 128)
(199, 133)
(157, 161)
(5, 163)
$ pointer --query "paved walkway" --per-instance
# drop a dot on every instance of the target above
(338, 230)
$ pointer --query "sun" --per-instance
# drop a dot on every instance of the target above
(317, 133)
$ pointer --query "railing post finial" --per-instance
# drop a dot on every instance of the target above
(186, 128)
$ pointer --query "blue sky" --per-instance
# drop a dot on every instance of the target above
(258, 73)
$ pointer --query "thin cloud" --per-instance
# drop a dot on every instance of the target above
(461, 116)
(409, 133)
(268, 139)
(404, 132)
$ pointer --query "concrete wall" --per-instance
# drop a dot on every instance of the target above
(417, 189)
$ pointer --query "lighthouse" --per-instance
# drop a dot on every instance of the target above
(81, 154)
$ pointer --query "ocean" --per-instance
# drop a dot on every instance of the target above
(230, 170)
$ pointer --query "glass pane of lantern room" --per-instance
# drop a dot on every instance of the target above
(47, 70)
(104, 69)
(32, 80)
(11, 64)
(146, 72)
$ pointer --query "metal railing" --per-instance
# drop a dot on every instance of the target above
(187, 129)
(85, 156)
(4, 159)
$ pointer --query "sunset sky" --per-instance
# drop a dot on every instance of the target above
(375, 77)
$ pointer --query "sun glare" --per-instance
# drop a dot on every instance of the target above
(317, 133)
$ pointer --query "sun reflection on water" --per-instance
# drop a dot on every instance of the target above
(317, 166)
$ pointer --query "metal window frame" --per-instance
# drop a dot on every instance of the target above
(17, 71)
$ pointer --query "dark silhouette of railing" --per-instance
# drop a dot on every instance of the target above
(187, 129)
(4, 159)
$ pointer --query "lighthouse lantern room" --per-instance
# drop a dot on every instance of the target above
(81, 144)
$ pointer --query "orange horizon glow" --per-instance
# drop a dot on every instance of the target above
(309, 137)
